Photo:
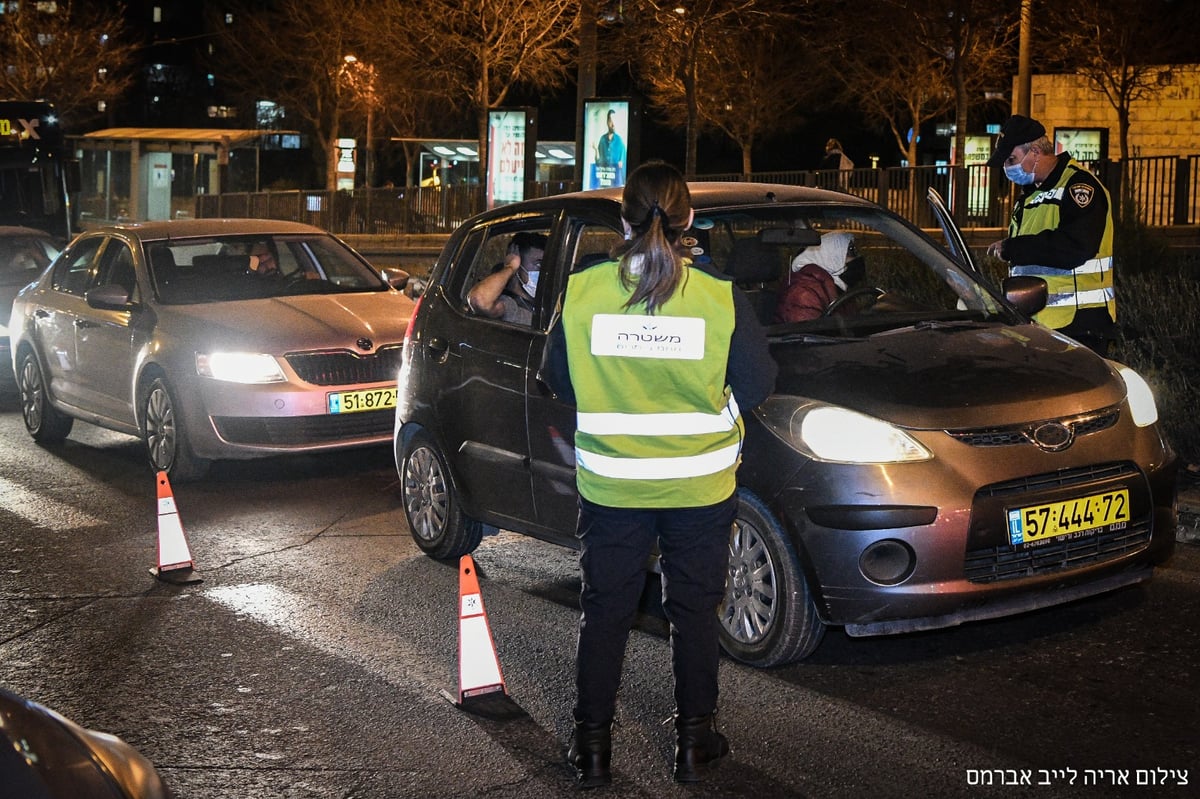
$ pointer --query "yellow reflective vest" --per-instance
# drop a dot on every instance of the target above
(658, 426)
(1062, 232)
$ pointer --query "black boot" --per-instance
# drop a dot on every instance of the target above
(591, 752)
(697, 743)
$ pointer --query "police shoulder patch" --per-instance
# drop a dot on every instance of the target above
(1082, 194)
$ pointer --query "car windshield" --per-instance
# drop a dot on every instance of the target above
(23, 257)
(222, 268)
(841, 271)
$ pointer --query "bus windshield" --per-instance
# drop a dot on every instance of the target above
(33, 169)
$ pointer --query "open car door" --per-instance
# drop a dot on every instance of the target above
(954, 238)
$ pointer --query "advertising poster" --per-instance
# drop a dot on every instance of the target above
(507, 152)
(976, 151)
(605, 150)
(1084, 144)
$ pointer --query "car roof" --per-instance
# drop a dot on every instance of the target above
(17, 230)
(187, 228)
(705, 195)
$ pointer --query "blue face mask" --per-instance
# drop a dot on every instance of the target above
(1017, 175)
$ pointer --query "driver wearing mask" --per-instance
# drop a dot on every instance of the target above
(819, 275)
(508, 292)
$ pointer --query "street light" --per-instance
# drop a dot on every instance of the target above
(360, 77)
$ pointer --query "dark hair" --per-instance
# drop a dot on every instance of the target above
(526, 241)
(657, 206)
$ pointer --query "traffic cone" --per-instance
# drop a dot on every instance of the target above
(174, 558)
(478, 667)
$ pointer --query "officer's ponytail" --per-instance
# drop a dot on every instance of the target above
(657, 207)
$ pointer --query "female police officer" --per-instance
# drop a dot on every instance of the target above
(657, 446)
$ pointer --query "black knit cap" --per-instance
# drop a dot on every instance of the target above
(1017, 131)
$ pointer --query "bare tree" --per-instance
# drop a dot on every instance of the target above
(1122, 47)
(887, 73)
(293, 53)
(74, 55)
(476, 52)
(975, 38)
(752, 86)
(676, 46)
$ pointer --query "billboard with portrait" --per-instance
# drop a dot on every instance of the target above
(606, 152)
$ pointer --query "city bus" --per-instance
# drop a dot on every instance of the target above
(38, 180)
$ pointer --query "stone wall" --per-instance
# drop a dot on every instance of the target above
(1167, 124)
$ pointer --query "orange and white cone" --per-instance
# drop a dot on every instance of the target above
(174, 558)
(478, 667)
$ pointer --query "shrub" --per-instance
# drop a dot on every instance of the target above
(1160, 338)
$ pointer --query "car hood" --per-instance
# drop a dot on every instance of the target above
(290, 324)
(952, 376)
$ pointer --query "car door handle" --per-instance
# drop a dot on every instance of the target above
(85, 323)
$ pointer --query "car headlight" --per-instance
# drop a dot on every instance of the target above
(239, 367)
(1141, 399)
(839, 435)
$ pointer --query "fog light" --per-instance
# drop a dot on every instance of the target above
(887, 562)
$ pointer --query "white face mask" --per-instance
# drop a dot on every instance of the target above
(530, 282)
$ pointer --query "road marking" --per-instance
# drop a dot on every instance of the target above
(42, 510)
(321, 625)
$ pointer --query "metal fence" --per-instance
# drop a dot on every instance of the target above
(1160, 191)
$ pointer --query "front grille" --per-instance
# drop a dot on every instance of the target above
(1062, 479)
(283, 431)
(1006, 563)
(346, 368)
(1007, 435)
(991, 564)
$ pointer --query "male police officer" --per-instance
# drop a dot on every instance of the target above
(1061, 230)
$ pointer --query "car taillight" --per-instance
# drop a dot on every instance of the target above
(411, 321)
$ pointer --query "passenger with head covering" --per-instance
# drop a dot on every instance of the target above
(819, 276)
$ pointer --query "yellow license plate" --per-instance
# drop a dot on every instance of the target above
(1071, 517)
(371, 399)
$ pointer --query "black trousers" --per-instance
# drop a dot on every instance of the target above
(615, 546)
(1093, 328)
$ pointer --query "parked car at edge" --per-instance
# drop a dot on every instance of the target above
(212, 339)
(24, 253)
(44, 755)
(930, 456)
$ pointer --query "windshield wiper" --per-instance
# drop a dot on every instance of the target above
(809, 338)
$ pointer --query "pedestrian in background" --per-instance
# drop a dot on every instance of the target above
(1061, 230)
(657, 447)
(835, 158)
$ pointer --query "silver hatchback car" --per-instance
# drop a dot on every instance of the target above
(212, 339)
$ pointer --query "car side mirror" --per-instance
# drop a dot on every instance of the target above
(396, 277)
(109, 297)
(1027, 292)
(416, 287)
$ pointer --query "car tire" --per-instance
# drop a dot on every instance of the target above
(768, 617)
(167, 447)
(431, 504)
(46, 424)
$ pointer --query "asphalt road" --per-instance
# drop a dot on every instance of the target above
(313, 657)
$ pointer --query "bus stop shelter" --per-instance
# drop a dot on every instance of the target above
(156, 173)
